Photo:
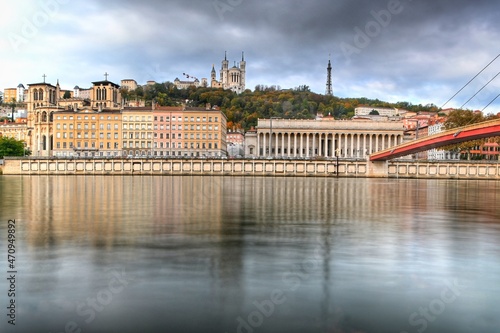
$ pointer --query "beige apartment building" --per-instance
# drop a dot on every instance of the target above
(87, 133)
(137, 131)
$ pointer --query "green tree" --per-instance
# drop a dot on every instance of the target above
(374, 113)
(12, 147)
(461, 118)
(67, 95)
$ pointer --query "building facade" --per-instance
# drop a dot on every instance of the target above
(87, 133)
(129, 84)
(286, 138)
(167, 126)
(137, 127)
(388, 112)
(438, 154)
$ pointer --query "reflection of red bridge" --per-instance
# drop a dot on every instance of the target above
(457, 135)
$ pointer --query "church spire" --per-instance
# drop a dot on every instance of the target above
(242, 56)
(225, 55)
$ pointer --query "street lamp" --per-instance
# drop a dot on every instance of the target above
(337, 153)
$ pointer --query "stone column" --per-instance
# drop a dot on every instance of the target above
(276, 148)
(289, 145)
(313, 144)
(264, 148)
(258, 144)
(307, 144)
(301, 145)
(358, 148)
(294, 144)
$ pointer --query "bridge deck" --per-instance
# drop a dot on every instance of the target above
(457, 135)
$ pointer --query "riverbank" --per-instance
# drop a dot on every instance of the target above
(251, 167)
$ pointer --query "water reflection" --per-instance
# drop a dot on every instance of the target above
(205, 254)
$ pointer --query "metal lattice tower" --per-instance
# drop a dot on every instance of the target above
(329, 91)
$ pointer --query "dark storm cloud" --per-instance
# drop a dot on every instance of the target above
(423, 51)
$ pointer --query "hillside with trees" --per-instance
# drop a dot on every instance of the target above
(243, 110)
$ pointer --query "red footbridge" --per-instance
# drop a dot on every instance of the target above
(457, 135)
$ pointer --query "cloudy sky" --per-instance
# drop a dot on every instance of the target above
(421, 51)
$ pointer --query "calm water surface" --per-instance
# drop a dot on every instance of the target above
(231, 254)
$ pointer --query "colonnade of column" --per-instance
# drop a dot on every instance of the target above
(310, 145)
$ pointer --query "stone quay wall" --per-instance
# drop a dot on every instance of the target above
(250, 167)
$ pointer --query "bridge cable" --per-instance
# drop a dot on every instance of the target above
(479, 90)
(482, 70)
(490, 102)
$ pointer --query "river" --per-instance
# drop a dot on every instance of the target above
(250, 254)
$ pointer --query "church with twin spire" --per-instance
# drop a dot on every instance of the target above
(230, 78)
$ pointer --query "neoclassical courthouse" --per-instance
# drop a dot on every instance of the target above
(323, 137)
